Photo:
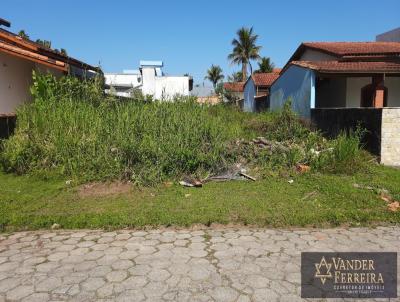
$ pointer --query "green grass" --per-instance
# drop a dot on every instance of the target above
(32, 203)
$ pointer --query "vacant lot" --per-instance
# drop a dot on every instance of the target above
(311, 200)
(84, 160)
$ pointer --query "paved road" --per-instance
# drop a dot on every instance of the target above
(167, 265)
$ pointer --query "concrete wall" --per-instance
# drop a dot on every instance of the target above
(297, 84)
(248, 96)
(332, 121)
(382, 124)
(390, 141)
(149, 81)
(353, 91)
(315, 55)
(15, 79)
(393, 86)
(330, 92)
(167, 87)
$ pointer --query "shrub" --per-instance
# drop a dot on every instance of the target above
(72, 128)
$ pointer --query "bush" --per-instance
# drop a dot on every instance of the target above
(346, 154)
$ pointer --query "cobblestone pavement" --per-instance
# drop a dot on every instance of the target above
(170, 265)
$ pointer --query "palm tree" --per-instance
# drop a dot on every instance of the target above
(245, 49)
(214, 75)
(265, 65)
(235, 77)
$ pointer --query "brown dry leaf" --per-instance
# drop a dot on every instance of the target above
(168, 184)
(302, 168)
(386, 197)
(394, 206)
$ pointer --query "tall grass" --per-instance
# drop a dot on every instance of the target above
(73, 129)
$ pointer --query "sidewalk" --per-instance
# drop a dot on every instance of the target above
(170, 265)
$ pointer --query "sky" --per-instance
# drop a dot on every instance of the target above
(189, 36)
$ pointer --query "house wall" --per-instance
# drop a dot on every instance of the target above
(390, 139)
(167, 87)
(248, 96)
(393, 86)
(315, 55)
(121, 79)
(354, 85)
(353, 91)
(330, 92)
(15, 79)
(149, 80)
(297, 84)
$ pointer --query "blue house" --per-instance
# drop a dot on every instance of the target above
(339, 75)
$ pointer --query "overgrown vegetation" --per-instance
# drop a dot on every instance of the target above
(73, 130)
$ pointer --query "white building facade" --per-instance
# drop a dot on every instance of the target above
(150, 80)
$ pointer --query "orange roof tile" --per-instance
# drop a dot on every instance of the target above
(350, 66)
(15, 45)
(264, 79)
(356, 48)
(235, 86)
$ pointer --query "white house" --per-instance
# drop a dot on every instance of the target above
(150, 80)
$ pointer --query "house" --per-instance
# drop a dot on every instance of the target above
(18, 59)
(340, 74)
(150, 80)
(257, 89)
(341, 84)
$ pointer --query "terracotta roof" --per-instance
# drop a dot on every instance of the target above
(350, 67)
(235, 86)
(15, 45)
(264, 79)
(356, 48)
(32, 56)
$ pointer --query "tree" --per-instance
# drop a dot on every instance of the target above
(235, 77)
(214, 75)
(265, 65)
(23, 34)
(245, 49)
